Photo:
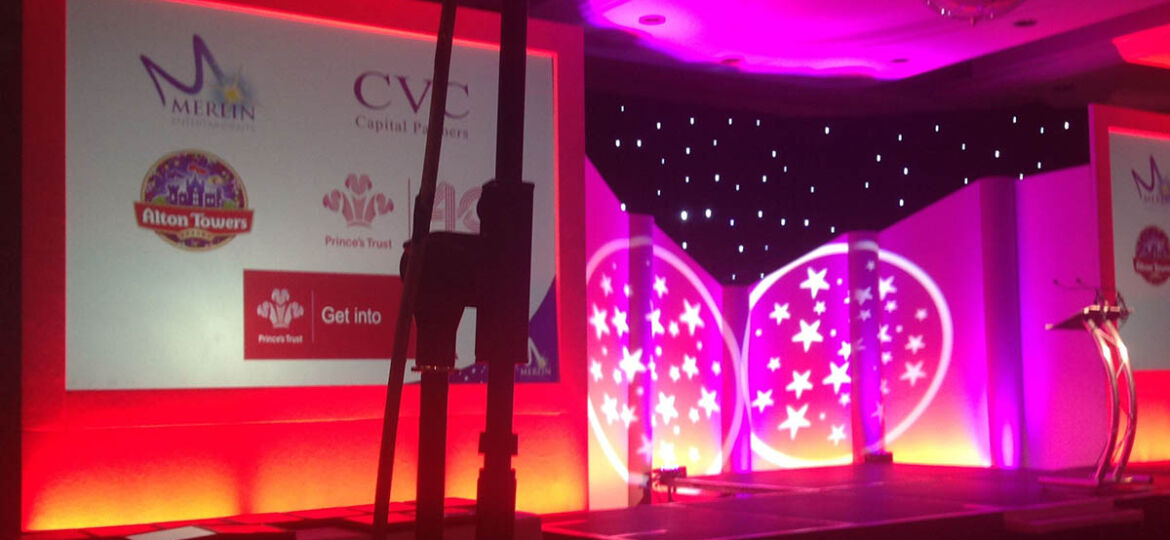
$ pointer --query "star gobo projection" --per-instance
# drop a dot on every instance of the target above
(792, 368)
(679, 365)
(799, 349)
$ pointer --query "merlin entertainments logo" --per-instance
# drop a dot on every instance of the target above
(398, 100)
(1151, 257)
(194, 200)
(359, 206)
(1157, 190)
(228, 102)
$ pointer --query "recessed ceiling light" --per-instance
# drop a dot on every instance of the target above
(1024, 23)
(651, 20)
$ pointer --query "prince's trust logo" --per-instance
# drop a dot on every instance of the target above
(279, 311)
(359, 206)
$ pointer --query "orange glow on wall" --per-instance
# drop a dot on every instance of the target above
(1153, 426)
(96, 458)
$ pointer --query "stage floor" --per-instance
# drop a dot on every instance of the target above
(870, 502)
(891, 501)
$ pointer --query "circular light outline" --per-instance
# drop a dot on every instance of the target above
(729, 342)
(780, 459)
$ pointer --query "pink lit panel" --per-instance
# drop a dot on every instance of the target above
(944, 242)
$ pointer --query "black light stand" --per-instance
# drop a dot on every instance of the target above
(424, 204)
(446, 272)
(506, 226)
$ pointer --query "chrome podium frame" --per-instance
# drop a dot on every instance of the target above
(1102, 322)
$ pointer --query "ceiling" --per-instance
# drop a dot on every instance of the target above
(818, 57)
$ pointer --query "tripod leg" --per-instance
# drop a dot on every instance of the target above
(432, 455)
(424, 203)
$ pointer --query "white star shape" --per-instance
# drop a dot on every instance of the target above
(886, 286)
(885, 387)
(774, 363)
(716, 368)
(628, 416)
(865, 315)
(819, 308)
(660, 285)
(631, 363)
(617, 376)
(845, 350)
(606, 284)
(870, 265)
(779, 313)
(693, 414)
(913, 373)
(666, 453)
(609, 408)
(891, 306)
(707, 402)
(595, 370)
(690, 316)
(815, 282)
(674, 373)
(843, 400)
(619, 322)
(646, 449)
(694, 454)
(879, 412)
(864, 295)
(598, 321)
(626, 289)
(795, 420)
(665, 408)
(673, 329)
(655, 318)
(887, 357)
(837, 435)
(689, 367)
(763, 400)
(884, 334)
(920, 314)
(915, 344)
(808, 334)
(839, 375)
(799, 383)
(653, 369)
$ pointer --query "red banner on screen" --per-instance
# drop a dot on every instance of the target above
(303, 315)
(170, 218)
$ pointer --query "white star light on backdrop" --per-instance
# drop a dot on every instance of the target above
(691, 317)
(779, 313)
(619, 322)
(814, 388)
(808, 334)
(815, 282)
(763, 400)
(598, 321)
(677, 368)
(795, 420)
(799, 383)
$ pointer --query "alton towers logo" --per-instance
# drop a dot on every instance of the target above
(228, 101)
(193, 200)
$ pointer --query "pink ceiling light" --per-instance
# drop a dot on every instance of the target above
(973, 10)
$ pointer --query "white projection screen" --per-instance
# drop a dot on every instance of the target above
(239, 188)
(1141, 246)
